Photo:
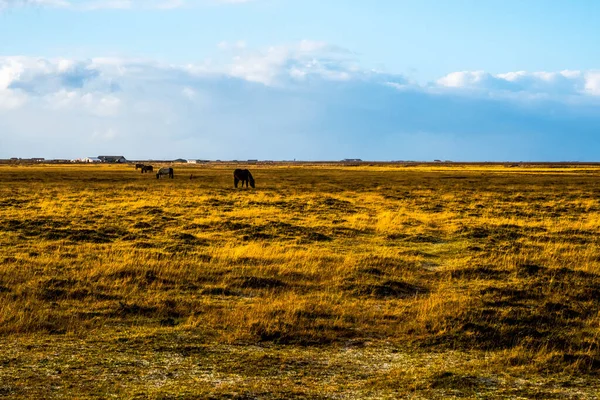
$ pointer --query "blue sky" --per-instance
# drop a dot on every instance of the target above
(283, 79)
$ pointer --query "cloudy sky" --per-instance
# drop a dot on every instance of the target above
(463, 80)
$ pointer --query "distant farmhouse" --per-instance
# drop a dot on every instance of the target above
(112, 159)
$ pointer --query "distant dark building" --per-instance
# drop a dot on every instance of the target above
(351, 160)
(180, 160)
(112, 159)
(252, 161)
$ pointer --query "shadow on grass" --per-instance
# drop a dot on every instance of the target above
(546, 311)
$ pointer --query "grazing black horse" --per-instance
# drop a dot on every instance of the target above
(137, 166)
(242, 175)
(165, 171)
(147, 168)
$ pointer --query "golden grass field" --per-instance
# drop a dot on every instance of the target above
(326, 281)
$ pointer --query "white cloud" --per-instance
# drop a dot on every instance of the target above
(98, 104)
(276, 65)
(592, 83)
(462, 79)
(61, 84)
(10, 99)
(566, 84)
(99, 86)
(280, 66)
(309, 93)
(9, 71)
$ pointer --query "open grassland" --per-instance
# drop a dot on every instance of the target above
(323, 282)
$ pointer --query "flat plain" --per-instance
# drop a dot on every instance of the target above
(326, 281)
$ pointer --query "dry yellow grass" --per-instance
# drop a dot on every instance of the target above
(323, 282)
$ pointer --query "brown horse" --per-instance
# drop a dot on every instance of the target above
(138, 166)
(147, 168)
(242, 175)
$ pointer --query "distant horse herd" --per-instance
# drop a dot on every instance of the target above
(239, 175)
(144, 168)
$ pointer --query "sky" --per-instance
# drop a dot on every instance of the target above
(383, 80)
